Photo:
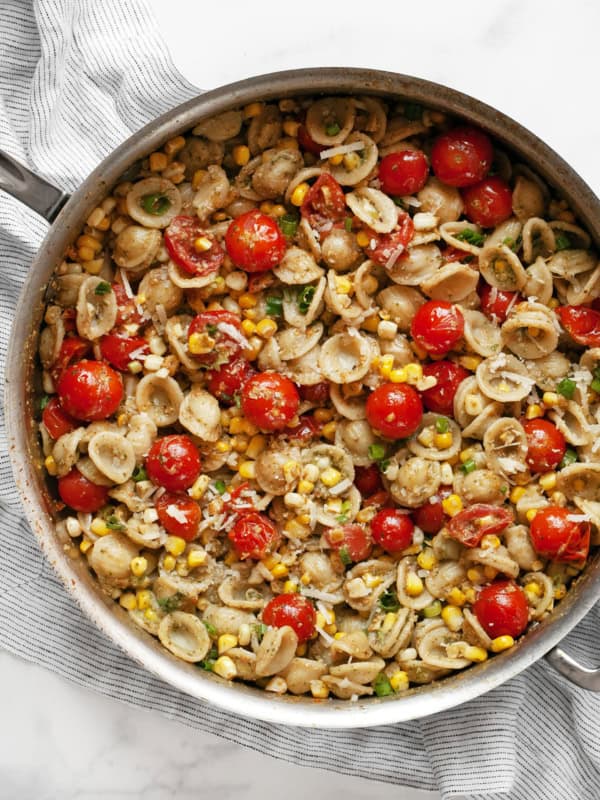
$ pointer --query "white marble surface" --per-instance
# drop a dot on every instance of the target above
(534, 60)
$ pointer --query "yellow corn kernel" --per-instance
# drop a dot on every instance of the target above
(470, 362)
(343, 285)
(470, 595)
(366, 514)
(299, 194)
(351, 161)
(198, 177)
(501, 643)
(490, 572)
(196, 558)
(323, 415)
(305, 487)
(225, 642)
(372, 581)
(175, 545)
(279, 571)
(252, 110)
(230, 558)
(200, 343)
(320, 620)
(388, 622)
(371, 324)
(490, 541)
(144, 599)
(269, 562)
(96, 217)
(85, 253)
(291, 468)
(256, 445)
(452, 505)
(247, 300)
(560, 592)
(453, 617)
(294, 528)
(289, 587)
(363, 239)
(225, 668)
(339, 635)
(290, 127)
(305, 579)
(279, 210)
(386, 365)
(222, 446)
(579, 485)
(236, 425)
(267, 207)
(534, 411)
(331, 476)
(202, 244)
(467, 454)
(443, 440)
(266, 328)
(474, 653)
(335, 161)
(426, 559)
(247, 469)
(414, 373)
(548, 481)
(516, 494)
(456, 597)
(85, 545)
(174, 145)
(553, 303)
(399, 681)
(99, 527)
(248, 327)
(301, 649)
(550, 399)
(128, 601)
(329, 430)
(158, 162)
(303, 519)
(398, 375)
(240, 443)
(151, 615)
(414, 585)
(533, 588)
(169, 563)
(475, 575)
(138, 566)
(241, 155)
(50, 465)
(319, 689)
(531, 514)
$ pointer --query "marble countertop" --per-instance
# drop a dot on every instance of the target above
(530, 60)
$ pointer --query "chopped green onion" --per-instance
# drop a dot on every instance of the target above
(209, 662)
(388, 600)
(305, 297)
(274, 306)
(570, 457)
(220, 486)
(383, 464)
(212, 631)
(345, 556)
(597, 372)
(376, 451)
(348, 224)
(509, 242)
(562, 241)
(156, 204)
(469, 466)
(114, 523)
(260, 629)
(44, 402)
(289, 225)
(442, 424)
(471, 237)
(103, 288)
(413, 111)
(139, 474)
(504, 489)
(595, 385)
(382, 685)
(567, 388)
(170, 603)
(211, 329)
(237, 399)
(433, 610)
(333, 129)
(400, 202)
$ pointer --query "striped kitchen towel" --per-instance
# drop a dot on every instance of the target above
(77, 78)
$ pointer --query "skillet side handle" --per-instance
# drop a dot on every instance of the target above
(571, 669)
(30, 189)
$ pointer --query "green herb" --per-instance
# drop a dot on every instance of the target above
(211, 329)
(413, 111)
(139, 474)
(333, 129)
(343, 515)
(562, 241)
(348, 224)
(504, 489)
(400, 202)
(305, 297)
(433, 610)
(289, 225)
(156, 204)
(509, 242)
(570, 457)
(103, 288)
(220, 486)
(274, 306)
(345, 556)
(567, 388)
(442, 424)
(471, 237)
(260, 629)
(171, 603)
(382, 685)
(388, 600)
(114, 523)
(212, 631)
(469, 466)
(237, 399)
(376, 452)
(383, 464)
(209, 662)
(595, 385)
(44, 402)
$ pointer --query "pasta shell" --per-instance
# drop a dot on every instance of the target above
(96, 310)
(368, 161)
(198, 153)
(432, 649)
(150, 536)
(496, 557)
(300, 672)
(277, 168)
(442, 200)
(340, 302)
(245, 663)
(361, 595)
(501, 268)
(158, 289)
(573, 424)
(291, 311)
(110, 558)
(375, 123)
(505, 445)
(421, 673)
(344, 688)
(569, 263)
(443, 578)
(66, 451)
(265, 130)
(452, 283)
(584, 288)
(402, 303)
(237, 593)
(473, 631)
(185, 636)
(359, 672)
(340, 250)
(297, 267)
(450, 231)
(212, 193)
(365, 284)
(482, 486)
(145, 189)
(176, 331)
(527, 199)
(141, 434)
(276, 651)
(160, 398)
(291, 346)
(374, 208)
(539, 285)
(469, 401)
(548, 370)
(577, 236)
(508, 232)
(200, 414)
(504, 378)
(345, 357)
(481, 422)
(418, 480)
(304, 175)
(354, 644)
(221, 127)
(353, 408)
(127, 493)
(65, 288)
(538, 239)
(519, 546)
(270, 473)
(400, 128)
(530, 331)
(305, 370)
(227, 620)
(136, 247)
(51, 339)
(482, 335)
(417, 266)
(356, 436)
(184, 280)
(428, 424)
(113, 455)
(388, 640)
(539, 604)
(330, 120)
(243, 180)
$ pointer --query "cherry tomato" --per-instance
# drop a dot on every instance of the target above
(449, 376)
(270, 400)
(596, 304)
(451, 254)
(179, 515)
(368, 480)
(502, 609)
(581, 323)
(307, 428)
(72, 349)
(388, 244)
(56, 420)
(229, 379)
(495, 303)
(116, 348)
(254, 536)
(404, 172)
(173, 462)
(394, 410)
(556, 536)
(325, 203)
(489, 202)
(306, 142)
(80, 494)
(430, 517)
(127, 311)
(352, 542)
(392, 530)
(462, 156)
(437, 326)
(294, 610)
(469, 526)
(319, 393)
(545, 444)
(180, 241)
(90, 390)
(260, 281)
(255, 242)
(223, 327)
(380, 499)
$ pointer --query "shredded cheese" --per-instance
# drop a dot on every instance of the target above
(342, 149)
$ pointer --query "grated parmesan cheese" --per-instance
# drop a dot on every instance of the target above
(342, 149)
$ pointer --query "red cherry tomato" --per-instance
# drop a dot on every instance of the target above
(451, 254)
(307, 428)
(545, 444)
(270, 400)
(449, 376)
(581, 323)
(319, 393)
(469, 526)
(255, 242)
(254, 536)
(462, 156)
(325, 203)
(116, 348)
(392, 530)
(502, 609)
(389, 244)
(80, 494)
(180, 238)
(554, 535)
(306, 142)
(127, 312)
(437, 326)
(223, 327)
(173, 462)
(380, 499)
(179, 515)
(90, 390)
(352, 542)
(430, 517)
(368, 480)
(495, 303)
(394, 410)
(229, 379)
(489, 202)
(404, 172)
(56, 420)
(294, 610)
(72, 349)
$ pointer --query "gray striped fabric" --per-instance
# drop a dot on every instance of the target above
(76, 78)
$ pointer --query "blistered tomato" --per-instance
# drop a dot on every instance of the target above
(255, 242)
(489, 202)
(270, 400)
(173, 462)
(90, 390)
(545, 444)
(294, 610)
(254, 536)
(80, 494)
(179, 515)
(437, 327)
(449, 376)
(394, 410)
(462, 156)
(502, 609)
(392, 529)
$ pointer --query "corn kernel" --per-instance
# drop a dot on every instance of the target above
(560, 592)
(467, 454)
(269, 562)
(169, 563)
(363, 239)
(252, 110)
(343, 285)
(174, 145)
(386, 365)
(366, 514)
(534, 411)
(222, 446)
(128, 601)
(399, 681)
(330, 476)
(202, 244)
(247, 300)
(295, 529)
(443, 440)
(516, 494)
(414, 585)
(501, 643)
(470, 362)
(99, 527)
(414, 373)
(453, 617)
(256, 445)
(305, 579)
(240, 443)
(474, 653)
(490, 572)
(138, 566)
(198, 178)
(339, 635)
(335, 161)
(144, 599)
(456, 597)
(533, 588)
(266, 207)
(323, 415)
(398, 375)
(266, 328)
(550, 399)
(241, 155)
(531, 514)
(247, 469)
(50, 465)
(329, 430)
(299, 194)
(301, 650)
(158, 162)
(553, 303)
(548, 481)
(279, 210)
(371, 324)
(225, 668)
(248, 327)
(475, 575)
(225, 642)
(452, 505)
(490, 541)
(96, 217)
(351, 161)
(175, 545)
(289, 587)
(372, 581)
(196, 558)
(151, 615)
(319, 689)
(85, 545)
(200, 343)
(426, 559)
(280, 571)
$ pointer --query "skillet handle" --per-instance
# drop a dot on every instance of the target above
(30, 189)
(575, 672)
